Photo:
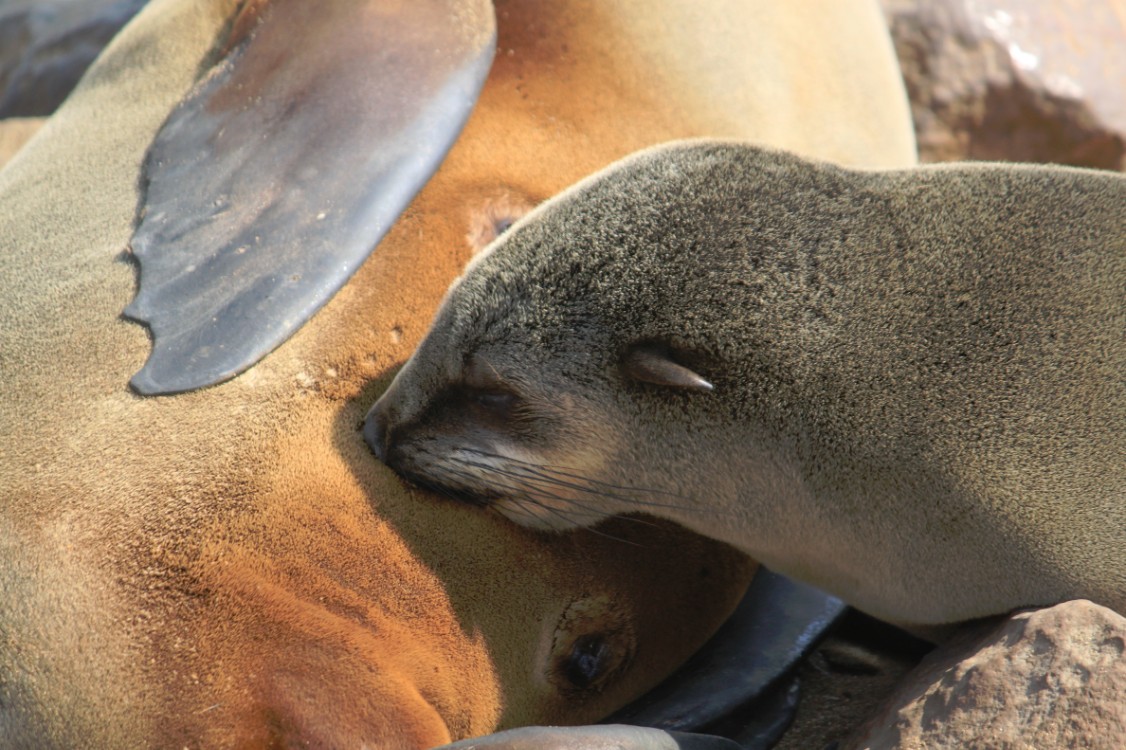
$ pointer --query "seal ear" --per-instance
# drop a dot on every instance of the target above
(649, 363)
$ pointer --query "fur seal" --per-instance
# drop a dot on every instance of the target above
(906, 387)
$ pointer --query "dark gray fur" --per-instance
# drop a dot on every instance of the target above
(919, 376)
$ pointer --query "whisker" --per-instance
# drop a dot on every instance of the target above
(606, 535)
(590, 510)
(568, 474)
(531, 493)
(534, 472)
(575, 525)
(523, 496)
(532, 490)
(443, 474)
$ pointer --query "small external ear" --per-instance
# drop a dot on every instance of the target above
(650, 364)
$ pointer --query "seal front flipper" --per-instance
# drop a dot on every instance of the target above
(775, 626)
(276, 177)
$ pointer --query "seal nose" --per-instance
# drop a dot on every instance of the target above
(375, 432)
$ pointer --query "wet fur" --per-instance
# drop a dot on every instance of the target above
(919, 397)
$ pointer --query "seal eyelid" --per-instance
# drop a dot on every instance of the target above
(496, 400)
(648, 363)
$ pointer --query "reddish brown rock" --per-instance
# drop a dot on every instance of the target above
(1049, 678)
(1017, 80)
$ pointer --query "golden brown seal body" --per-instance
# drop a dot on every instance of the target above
(907, 387)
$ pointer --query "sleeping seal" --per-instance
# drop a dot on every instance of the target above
(906, 387)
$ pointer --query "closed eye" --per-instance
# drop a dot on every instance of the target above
(483, 386)
(496, 401)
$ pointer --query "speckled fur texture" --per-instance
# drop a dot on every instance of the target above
(919, 393)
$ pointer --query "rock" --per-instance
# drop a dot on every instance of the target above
(1015, 80)
(1048, 678)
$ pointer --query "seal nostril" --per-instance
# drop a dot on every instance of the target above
(375, 434)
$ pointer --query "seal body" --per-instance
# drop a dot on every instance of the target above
(906, 387)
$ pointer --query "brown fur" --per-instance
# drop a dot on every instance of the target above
(228, 566)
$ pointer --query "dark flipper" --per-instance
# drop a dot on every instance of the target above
(760, 724)
(775, 626)
(602, 737)
(271, 183)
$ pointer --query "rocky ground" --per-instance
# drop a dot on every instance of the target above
(1047, 678)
